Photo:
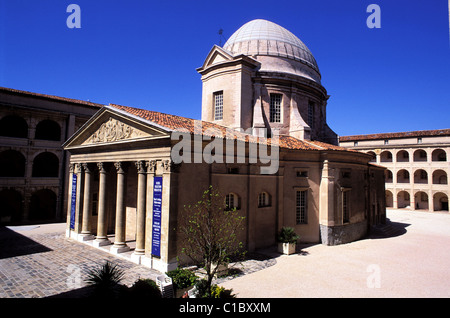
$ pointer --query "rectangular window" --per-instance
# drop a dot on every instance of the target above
(386, 142)
(345, 207)
(311, 107)
(301, 206)
(275, 108)
(218, 105)
(419, 140)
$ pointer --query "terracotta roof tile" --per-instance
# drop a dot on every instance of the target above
(174, 122)
(406, 134)
(63, 99)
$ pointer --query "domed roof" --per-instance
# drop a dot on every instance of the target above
(262, 37)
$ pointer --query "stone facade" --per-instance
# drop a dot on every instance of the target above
(33, 166)
(417, 165)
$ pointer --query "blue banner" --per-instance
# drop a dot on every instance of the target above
(73, 201)
(156, 224)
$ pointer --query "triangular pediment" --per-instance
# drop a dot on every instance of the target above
(217, 55)
(109, 127)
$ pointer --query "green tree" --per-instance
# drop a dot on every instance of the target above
(209, 232)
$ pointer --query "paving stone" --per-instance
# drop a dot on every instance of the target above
(44, 269)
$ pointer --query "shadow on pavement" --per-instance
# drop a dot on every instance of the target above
(390, 229)
(14, 244)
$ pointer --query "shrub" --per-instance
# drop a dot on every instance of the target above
(105, 280)
(144, 288)
(287, 235)
(182, 278)
(216, 291)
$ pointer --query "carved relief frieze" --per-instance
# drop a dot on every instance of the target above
(114, 130)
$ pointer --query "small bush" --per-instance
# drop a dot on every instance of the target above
(287, 235)
(105, 281)
(144, 288)
(182, 278)
(216, 291)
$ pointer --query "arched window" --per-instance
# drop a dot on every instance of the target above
(420, 176)
(48, 130)
(420, 155)
(45, 164)
(439, 155)
(232, 201)
(403, 199)
(439, 177)
(388, 176)
(386, 156)
(263, 199)
(402, 156)
(12, 164)
(374, 156)
(389, 199)
(43, 205)
(13, 126)
(11, 206)
(403, 176)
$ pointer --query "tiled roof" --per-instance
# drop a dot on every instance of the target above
(406, 134)
(58, 98)
(174, 122)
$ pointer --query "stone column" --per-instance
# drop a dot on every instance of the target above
(140, 211)
(78, 203)
(87, 206)
(119, 242)
(102, 226)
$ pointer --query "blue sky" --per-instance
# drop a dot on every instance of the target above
(144, 53)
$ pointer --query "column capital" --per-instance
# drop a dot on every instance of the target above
(86, 168)
(101, 167)
(78, 167)
(119, 167)
(140, 165)
(71, 167)
(151, 166)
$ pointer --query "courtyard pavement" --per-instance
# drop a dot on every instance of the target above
(413, 263)
(39, 261)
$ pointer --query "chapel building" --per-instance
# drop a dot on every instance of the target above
(263, 141)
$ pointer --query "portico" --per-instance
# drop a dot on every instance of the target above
(111, 193)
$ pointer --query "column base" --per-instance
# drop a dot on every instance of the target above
(137, 257)
(85, 237)
(101, 242)
(116, 249)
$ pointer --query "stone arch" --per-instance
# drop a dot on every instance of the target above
(374, 156)
(48, 129)
(43, 205)
(45, 164)
(388, 177)
(420, 176)
(11, 206)
(402, 156)
(421, 200)
(386, 156)
(419, 155)
(12, 164)
(403, 199)
(439, 177)
(13, 126)
(403, 176)
(440, 202)
(389, 199)
(439, 155)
